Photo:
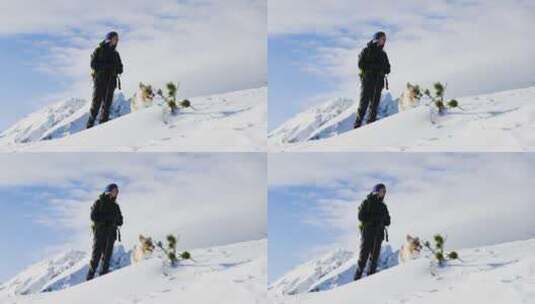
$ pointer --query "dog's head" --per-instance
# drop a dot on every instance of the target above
(414, 244)
(412, 91)
(146, 91)
(146, 243)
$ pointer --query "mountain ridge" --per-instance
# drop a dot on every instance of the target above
(500, 121)
(233, 121)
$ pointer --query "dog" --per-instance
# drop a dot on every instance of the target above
(410, 98)
(410, 250)
(143, 98)
(143, 250)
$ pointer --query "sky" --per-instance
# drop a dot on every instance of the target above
(45, 47)
(46, 204)
(472, 199)
(473, 46)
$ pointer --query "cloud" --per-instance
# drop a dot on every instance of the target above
(185, 194)
(474, 199)
(163, 40)
(473, 46)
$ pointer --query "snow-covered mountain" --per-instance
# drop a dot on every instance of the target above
(234, 273)
(234, 121)
(328, 119)
(503, 273)
(334, 269)
(58, 120)
(503, 121)
(61, 271)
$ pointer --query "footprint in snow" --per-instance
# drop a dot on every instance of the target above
(511, 280)
(517, 125)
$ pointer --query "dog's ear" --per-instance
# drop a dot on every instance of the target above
(141, 238)
(409, 237)
(409, 85)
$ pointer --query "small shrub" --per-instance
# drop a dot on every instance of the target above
(171, 90)
(439, 89)
(453, 103)
(437, 98)
(170, 250)
(437, 249)
(453, 255)
(185, 103)
(170, 98)
(185, 255)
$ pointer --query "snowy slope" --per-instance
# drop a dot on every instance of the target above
(233, 273)
(58, 120)
(36, 277)
(34, 126)
(503, 273)
(58, 272)
(325, 120)
(329, 271)
(503, 121)
(233, 121)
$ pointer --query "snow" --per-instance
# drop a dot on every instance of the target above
(61, 271)
(325, 120)
(36, 125)
(329, 271)
(503, 121)
(503, 273)
(234, 273)
(36, 277)
(58, 120)
(234, 121)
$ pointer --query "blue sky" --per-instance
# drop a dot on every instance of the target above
(21, 207)
(46, 204)
(313, 48)
(288, 232)
(45, 48)
(289, 84)
(313, 200)
(24, 88)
